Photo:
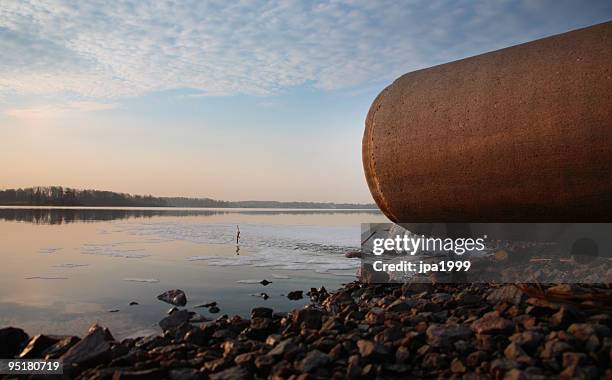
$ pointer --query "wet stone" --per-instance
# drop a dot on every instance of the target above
(175, 297)
(261, 312)
(295, 295)
(175, 320)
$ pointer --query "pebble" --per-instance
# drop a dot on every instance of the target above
(359, 331)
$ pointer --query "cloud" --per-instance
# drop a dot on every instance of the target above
(95, 49)
(55, 111)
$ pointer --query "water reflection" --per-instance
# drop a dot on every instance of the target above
(71, 215)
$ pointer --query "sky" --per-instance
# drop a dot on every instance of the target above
(234, 100)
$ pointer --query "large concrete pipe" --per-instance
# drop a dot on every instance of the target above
(522, 134)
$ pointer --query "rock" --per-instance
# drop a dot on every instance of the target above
(400, 305)
(440, 297)
(60, 348)
(261, 312)
(468, 299)
(501, 255)
(185, 374)
(397, 339)
(245, 359)
(366, 347)
(12, 340)
(571, 359)
(314, 360)
(457, 366)
(284, 348)
(353, 369)
(172, 310)
(389, 335)
(273, 339)
(265, 282)
(309, 318)
(207, 305)
(529, 340)
(296, 295)
(93, 349)
(375, 316)
(197, 318)
(554, 348)
(514, 352)
(562, 318)
(334, 324)
(224, 334)
(214, 309)
(462, 347)
(517, 374)
(264, 362)
(439, 335)
(368, 275)
(582, 331)
(261, 323)
(353, 254)
(114, 310)
(507, 293)
(492, 323)
(402, 355)
(175, 319)
(592, 344)
(37, 345)
(133, 303)
(175, 297)
(474, 359)
(500, 366)
(434, 360)
(152, 374)
(575, 372)
(337, 301)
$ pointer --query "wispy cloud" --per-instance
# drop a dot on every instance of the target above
(96, 49)
(46, 111)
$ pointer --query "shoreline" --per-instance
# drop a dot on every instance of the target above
(358, 331)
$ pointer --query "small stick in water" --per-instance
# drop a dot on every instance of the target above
(237, 240)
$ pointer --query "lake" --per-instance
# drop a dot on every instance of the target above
(66, 268)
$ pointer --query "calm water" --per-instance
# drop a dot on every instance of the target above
(64, 269)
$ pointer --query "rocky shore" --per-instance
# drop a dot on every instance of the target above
(473, 331)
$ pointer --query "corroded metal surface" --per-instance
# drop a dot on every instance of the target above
(522, 134)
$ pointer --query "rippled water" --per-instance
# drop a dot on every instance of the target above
(63, 269)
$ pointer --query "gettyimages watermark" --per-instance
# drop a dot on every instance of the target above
(486, 252)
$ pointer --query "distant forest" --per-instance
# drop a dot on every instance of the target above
(65, 196)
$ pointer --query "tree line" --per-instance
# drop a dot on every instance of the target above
(66, 196)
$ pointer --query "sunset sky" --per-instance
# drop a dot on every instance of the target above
(229, 100)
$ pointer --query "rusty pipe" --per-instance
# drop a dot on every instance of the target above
(521, 134)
